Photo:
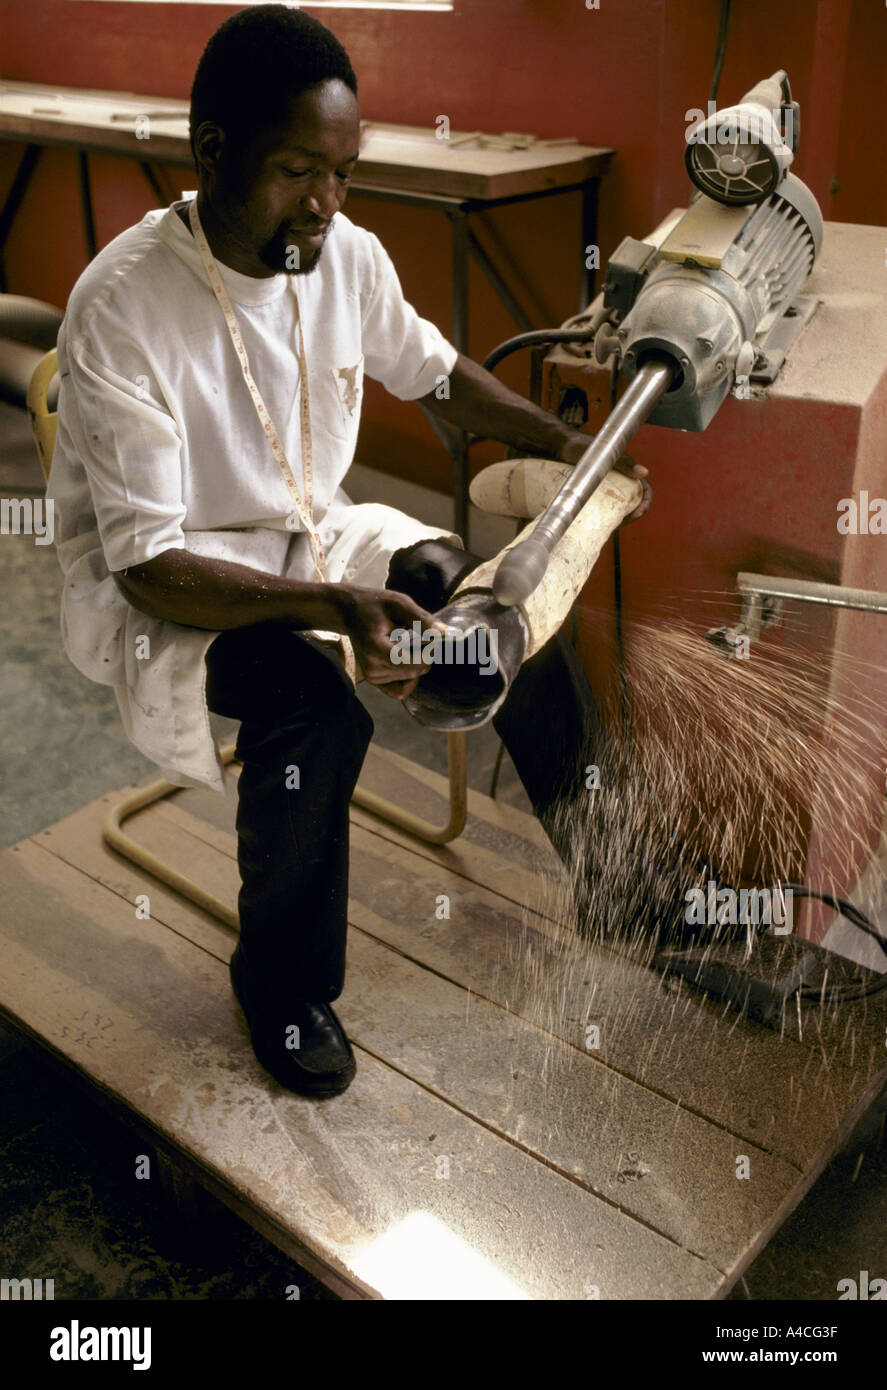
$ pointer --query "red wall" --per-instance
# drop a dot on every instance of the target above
(623, 75)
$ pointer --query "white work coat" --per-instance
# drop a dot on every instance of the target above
(159, 447)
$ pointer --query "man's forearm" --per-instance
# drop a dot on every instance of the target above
(197, 591)
(480, 404)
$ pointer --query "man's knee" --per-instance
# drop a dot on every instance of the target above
(336, 731)
(281, 682)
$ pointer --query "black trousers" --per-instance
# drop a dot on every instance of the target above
(302, 741)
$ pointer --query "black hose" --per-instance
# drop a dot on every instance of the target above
(720, 48)
(840, 993)
(539, 337)
(840, 905)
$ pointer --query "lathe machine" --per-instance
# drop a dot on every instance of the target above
(741, 349)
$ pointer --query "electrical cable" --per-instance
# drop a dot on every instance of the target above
(840, 905)
(841, 993)
(538, 337)
(720, 48)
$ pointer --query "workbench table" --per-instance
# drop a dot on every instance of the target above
(407, 165)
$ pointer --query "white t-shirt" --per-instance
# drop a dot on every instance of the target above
(159, 447)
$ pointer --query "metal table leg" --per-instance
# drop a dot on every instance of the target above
(86, 204)
(516, 310)
(26, 167)
(159, 194)
(589, 234)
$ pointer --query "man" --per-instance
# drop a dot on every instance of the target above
(211, 364)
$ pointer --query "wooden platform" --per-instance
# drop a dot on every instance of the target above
(483, 1150)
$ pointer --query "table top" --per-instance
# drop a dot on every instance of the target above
(393, 157)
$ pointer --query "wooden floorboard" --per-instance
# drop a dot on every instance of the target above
(150, 1018)
(474, 1019)
(501, 847)
(788, 1094)
(541, 1090)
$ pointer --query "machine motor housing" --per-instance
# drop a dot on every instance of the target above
(710, 295)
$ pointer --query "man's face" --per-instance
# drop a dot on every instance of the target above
(274, 202)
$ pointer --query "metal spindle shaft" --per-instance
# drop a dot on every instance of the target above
(523, 566)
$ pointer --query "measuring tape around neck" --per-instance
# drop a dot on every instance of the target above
(304, 508)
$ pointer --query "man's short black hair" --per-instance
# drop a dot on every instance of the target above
(256, 63)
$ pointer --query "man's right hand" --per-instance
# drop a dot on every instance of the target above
(197, 591)
(370, 616)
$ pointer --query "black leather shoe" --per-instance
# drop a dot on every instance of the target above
(322, 1064)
